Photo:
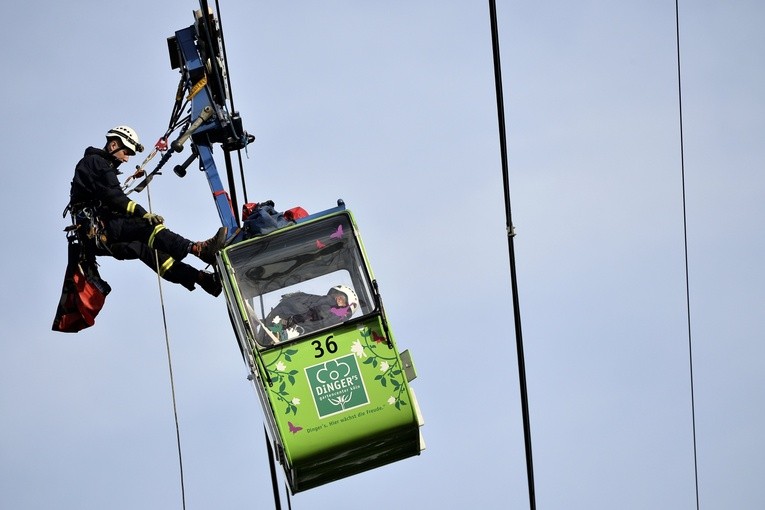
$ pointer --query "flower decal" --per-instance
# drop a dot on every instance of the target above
(376, 349)
(280, 376)
(358, 349)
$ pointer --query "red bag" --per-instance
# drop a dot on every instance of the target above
(82, 295)
(295, 213)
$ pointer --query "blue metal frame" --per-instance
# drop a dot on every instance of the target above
(213, 128)
(218, 125)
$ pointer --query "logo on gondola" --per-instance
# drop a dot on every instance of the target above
(337, 386)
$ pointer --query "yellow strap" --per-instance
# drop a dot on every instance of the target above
(164, 268)
(197, 87)
(156, 231)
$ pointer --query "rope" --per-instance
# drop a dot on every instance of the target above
(511, 250)
(685, 245)
(170, 368)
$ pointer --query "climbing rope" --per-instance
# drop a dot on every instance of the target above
(685, 245)
(170, 367)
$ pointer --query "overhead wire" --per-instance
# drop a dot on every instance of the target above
(511, 253)
(511, 234)
(272, 470)
(217, 72)
(231, 96)
(685, 247)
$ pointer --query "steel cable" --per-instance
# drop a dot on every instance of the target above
(511, 253)
(685, 247)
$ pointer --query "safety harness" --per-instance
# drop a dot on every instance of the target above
(87, 227)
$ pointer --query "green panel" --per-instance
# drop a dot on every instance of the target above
(335, 394)
(341, 403)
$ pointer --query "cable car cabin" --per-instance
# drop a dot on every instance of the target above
(313, 332)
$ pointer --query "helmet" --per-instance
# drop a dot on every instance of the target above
(353, 300)
(127, 136)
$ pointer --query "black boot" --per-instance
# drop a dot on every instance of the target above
(210, 283)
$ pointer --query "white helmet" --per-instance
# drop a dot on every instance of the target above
(127, 136)
(353, 300)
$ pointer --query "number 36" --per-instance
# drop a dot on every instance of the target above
(329, 344)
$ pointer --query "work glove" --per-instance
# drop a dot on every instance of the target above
(154, 219)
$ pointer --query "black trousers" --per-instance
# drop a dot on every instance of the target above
(126, 230)
(155, 245)
(161, 263)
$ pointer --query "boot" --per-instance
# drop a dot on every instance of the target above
(210, 283)
(206, 250)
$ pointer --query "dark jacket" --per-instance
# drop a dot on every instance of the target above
(95, 183)
(300, 313)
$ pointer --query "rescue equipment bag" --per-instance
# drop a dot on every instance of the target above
(83, 293)
(261, 218)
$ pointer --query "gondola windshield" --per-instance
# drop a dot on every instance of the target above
(302, 280)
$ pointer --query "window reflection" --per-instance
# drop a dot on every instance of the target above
(303, 280)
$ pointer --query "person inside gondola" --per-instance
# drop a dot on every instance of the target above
(299, 313)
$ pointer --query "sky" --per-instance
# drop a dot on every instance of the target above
(391, 107)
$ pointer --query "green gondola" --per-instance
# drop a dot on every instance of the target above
(333, 384)
(302, 300)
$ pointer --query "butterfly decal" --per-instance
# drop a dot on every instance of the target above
(320, 245)
(339, 311)
(338, 234)
(294, 429)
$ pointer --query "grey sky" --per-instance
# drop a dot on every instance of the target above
(391, 107)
